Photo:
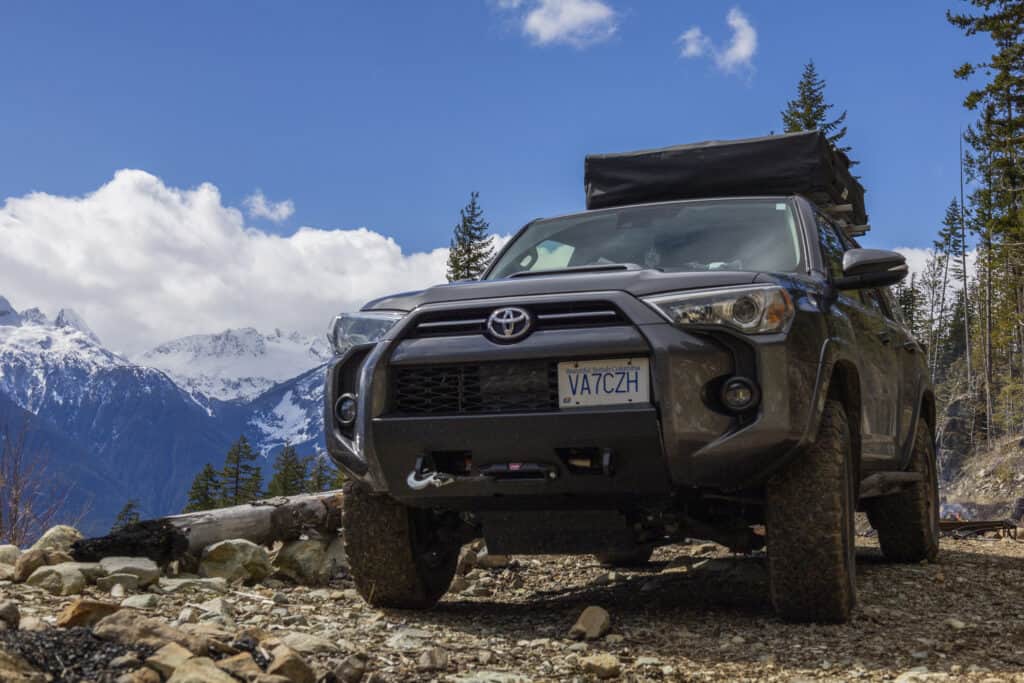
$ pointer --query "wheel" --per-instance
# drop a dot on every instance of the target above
(908, 522)
(640, 555)
(810, 520)
(396, 556)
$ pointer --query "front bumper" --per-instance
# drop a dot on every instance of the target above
(679, 441)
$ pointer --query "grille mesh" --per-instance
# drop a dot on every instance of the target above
(474, 388)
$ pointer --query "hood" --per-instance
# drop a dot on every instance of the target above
(636, 282)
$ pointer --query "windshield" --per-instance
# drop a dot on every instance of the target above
(732, 234)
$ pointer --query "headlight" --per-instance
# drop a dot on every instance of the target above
(752, 310)
(349, 329)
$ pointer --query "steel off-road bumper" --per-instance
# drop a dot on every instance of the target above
(679, 441)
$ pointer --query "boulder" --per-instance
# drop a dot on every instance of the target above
(59, 579)
(200, 670)
(486, 560)
(592, 623)
(6, 572)
(92, 571)
(217, 585)
(59, 537)
(133, 628)
(143, 568)
(302, 561)
(603, 665)
(31, 560)
(241, 666)
(309, 644)
(236, 560)
(83, 612)
(141, 601)
(14, 669)
(9, 554)
(352, 669)
(432, 659)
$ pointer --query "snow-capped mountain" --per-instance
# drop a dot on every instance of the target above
(238, 364)
(117, 430)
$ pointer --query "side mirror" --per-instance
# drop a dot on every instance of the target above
(866, 268)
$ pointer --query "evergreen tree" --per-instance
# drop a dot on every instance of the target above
(289, 473)
(241, 479)
(205, 493)
(321, 474)
(128, 515)
(810, 111)
(471, 247)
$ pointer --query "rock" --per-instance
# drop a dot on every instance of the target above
(141, 675)
(467, 561)
(9, 554)
(955, 624)
(188, 615)
(236, 560)
(602, 665)
(432, 659)
(117, 591)
(241, 666)
(92, 571)
(406, 639)
(6, 572)
(217, 585)
(302, 561)
(133, 628)
(59, 537)
(270, 678)
(217, 606)
(142, 568)
(167, 659)
(59, 579)
(143, 601)
(287, 662)
(200, 670)
(10, 614)
(32, 624)
(491, 677)
(83, 612)
(307, 644)
(485, 560)
(335, 562)
(351, 670)
(14, 669)
(459, 584)
(128, 660)
(129, 582)
(31, 560)
(593, 623)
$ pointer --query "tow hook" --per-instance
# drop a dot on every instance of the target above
(419, 480)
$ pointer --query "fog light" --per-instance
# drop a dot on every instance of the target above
(739, 394)
(345, 409)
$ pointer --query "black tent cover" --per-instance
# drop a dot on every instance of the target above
(793, 163)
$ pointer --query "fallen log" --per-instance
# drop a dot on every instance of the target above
(284, 518)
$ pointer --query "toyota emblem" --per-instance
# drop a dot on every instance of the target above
(509, 324)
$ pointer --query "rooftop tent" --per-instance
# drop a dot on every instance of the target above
(794, 163)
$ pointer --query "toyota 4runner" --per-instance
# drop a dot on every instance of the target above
(728, 367)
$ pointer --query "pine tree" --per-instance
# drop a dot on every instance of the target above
(809, 111)
(205, 493)
(289, 473)
(128, 515)
(241, 479)
(471, 247)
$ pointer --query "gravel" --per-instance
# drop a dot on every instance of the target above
(694, 614)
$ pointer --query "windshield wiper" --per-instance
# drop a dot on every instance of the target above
(571, 270)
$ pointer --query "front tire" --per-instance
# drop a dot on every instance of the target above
(810, 520)
(396, 556)
(908, 522)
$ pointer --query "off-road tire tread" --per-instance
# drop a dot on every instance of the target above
(380, 540)
(631, 558)
(901, 519)
(810, 509)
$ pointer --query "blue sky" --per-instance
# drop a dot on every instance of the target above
(387, 114)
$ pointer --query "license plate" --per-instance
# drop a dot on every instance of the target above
(603, 382)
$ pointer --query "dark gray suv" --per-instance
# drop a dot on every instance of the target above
(731, 369)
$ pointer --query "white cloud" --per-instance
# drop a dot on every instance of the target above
(737, 55)
(144, 262)
(917, 262)
(259, 206)
(695, 43)
(579, 23)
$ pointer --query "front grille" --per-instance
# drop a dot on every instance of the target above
(548, 316)
(475, 388)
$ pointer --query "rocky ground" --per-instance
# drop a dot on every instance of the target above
(694, 614)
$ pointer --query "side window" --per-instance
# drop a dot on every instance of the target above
(831, 246)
